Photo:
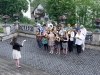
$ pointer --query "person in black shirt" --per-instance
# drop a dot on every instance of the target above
(16, 50)
(65, 43)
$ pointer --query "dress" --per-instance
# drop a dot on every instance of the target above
(16, 54)
(51, 40)
(16, 51)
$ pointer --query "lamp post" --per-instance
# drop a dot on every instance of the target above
(97, 24)
(16, 17)
(16, 20)
(36, 18)
(5, 19)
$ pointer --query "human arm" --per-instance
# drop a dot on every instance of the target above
(23, 42)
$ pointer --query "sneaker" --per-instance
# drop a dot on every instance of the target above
(19, 66)
(50, 52)
(56, 53)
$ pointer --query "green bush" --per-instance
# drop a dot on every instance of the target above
(1, 30)
(40, 21)
(27, 20)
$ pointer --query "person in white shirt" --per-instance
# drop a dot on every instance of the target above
(84, 32)
(71, 39)
(79, 41)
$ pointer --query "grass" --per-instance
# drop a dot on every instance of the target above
(1, 30)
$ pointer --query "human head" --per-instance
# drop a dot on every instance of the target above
(76, 25)
(71, 29)
(38, 24)
(68, 25)
(81, 26)
(13, 40)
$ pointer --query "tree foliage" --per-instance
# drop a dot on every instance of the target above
(56, 8)
(86, 11)
(10, 7)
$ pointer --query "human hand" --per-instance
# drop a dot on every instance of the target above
(24, 40)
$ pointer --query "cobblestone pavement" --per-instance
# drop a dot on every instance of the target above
(87, 63)
(7, 68)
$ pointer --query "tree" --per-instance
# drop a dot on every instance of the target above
(56, 8)
(10, 7)
(86, 11)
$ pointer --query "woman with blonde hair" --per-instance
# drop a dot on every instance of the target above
(71, 39)
(51, 42)
(65, 43)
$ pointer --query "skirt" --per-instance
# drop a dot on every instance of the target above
(16, 54)
(51, 43)
(65, 45)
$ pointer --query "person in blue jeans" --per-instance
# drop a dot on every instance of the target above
(39, 39)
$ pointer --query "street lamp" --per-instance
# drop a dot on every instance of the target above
(16, 17)
(97, 24)
(16, 20)
(36, 18)
(5, 19)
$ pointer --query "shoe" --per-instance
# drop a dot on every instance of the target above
(50, 52)
(19, 66)
(56, 53)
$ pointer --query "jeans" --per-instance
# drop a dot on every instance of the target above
(39, 43)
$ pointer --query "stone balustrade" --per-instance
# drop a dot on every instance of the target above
(92, 38)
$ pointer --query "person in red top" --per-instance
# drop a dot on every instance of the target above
(39, 39)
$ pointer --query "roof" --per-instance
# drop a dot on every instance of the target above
(35, 8)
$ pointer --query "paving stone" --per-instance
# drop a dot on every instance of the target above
(87, 63)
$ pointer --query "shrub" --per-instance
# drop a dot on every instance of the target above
(1, 30)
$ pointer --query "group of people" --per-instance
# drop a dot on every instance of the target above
(55, 37)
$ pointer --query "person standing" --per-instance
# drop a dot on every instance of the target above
(79, 41)
(45, 42)
(16, 50)
(51, 42)
(75, 31)
(57, 43)
(39, 39)
(65, 43)
(71, 39)
(61, 33)
(84, 32)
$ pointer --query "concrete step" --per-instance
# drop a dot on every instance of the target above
(7, 67)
